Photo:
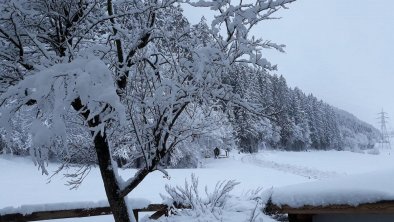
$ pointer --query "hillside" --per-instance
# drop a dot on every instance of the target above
(293, 120)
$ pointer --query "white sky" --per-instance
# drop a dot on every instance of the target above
(342, 51)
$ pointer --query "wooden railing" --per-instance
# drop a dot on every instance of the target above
(158, 209)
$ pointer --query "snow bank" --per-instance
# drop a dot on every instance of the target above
(351, 190)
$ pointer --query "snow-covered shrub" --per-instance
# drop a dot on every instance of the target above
(218, 205)
(189, 195)
(211, 129)
(80, 151)
(188, 157)
(17, 140)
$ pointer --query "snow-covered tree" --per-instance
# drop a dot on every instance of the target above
(134, 66)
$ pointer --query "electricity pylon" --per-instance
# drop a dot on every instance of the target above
(384, 135)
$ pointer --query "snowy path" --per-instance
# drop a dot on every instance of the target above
(293, 169)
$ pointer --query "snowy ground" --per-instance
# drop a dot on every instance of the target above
(21, 183)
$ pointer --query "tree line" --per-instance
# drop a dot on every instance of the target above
(296, 121)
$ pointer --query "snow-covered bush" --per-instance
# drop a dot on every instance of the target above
(211, 129)
(218, 205)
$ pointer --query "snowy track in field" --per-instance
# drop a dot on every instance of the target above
(293, 169)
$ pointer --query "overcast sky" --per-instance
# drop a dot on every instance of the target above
(342, 51)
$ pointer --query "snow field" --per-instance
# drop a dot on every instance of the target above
(22, 183)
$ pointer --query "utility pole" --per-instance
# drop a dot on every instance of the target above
(384, 135)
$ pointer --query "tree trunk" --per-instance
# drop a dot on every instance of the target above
(114, 195)
(116, 202)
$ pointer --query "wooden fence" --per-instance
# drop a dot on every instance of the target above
(158, 209)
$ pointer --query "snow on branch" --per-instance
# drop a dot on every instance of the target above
(54, 90)
(238, 20)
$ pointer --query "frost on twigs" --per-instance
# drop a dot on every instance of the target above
(237, 19)
(218, 205)
(53, 91)
(189, 195)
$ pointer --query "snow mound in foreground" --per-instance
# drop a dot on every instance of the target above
(350, 190)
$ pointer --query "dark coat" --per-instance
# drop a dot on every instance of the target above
(216, 151)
